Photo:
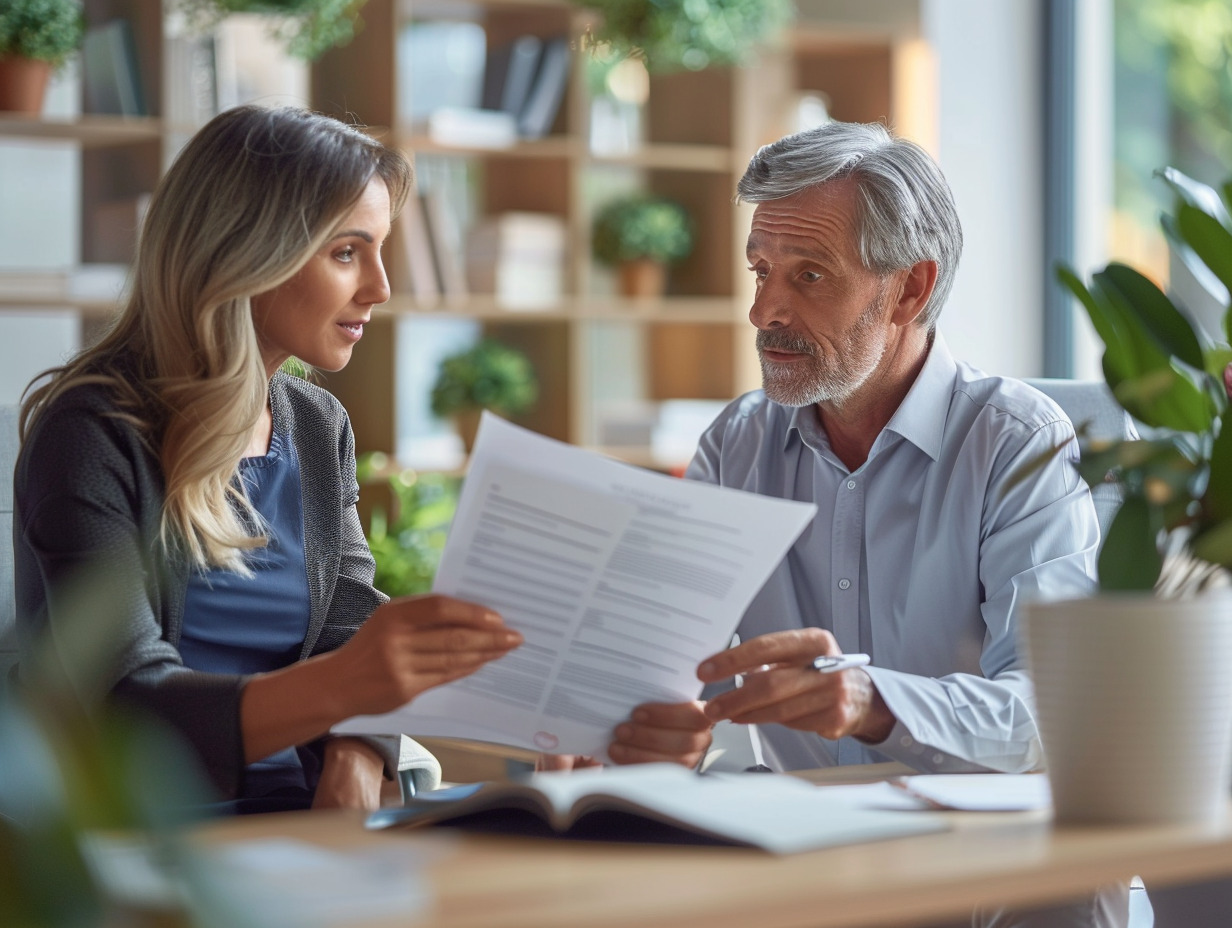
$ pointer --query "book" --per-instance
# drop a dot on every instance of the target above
(110, 75)
(191, 86)
(519, 257)
(445, 243)
(440, 64)
(543, 100)
(471, 127)
(510, 73)
(654, 803)
(415, 263)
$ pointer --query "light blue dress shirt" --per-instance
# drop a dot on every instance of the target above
(920, 557)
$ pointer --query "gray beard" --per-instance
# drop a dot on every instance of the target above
(820, 379)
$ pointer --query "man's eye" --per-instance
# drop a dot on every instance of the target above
(811, 276)
(759, 272)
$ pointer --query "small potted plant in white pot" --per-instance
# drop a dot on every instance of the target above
(640, 235)
(36, 38)
(307, 28)
(1134, 686)
(488, 375)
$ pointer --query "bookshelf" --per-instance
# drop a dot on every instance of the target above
(596, 353)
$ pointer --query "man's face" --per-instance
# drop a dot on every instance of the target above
(823, 319)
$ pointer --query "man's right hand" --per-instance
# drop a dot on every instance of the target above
(412, 644)
(780, 686)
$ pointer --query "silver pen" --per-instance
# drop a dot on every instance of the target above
(833, 663)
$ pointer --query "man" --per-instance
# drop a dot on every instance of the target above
(928, 535)
(942, 505)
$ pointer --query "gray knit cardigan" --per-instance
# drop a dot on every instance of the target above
(88, 502)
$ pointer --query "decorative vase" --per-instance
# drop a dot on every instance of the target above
(643, 278)
(23, 84)
(1134, 704)
(466, 423)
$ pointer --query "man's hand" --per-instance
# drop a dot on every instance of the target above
(351, 776)
(678, 733)
(781, 686)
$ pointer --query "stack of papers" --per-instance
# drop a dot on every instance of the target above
(621, 581)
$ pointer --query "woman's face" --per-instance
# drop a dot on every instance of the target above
(319, 314)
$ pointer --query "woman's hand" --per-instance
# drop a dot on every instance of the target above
(351, 777)
(413, 644)
(406, 646)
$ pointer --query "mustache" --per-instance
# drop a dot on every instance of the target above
(775, 340)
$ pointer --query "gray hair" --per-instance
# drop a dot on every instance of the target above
(905, 212)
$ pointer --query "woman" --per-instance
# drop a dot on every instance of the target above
(175, 463)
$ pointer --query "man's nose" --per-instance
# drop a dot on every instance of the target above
(769, 309)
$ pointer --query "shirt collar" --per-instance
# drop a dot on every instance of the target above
(920, 418)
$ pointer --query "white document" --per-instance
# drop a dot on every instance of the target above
(620, 579)
(980, 792)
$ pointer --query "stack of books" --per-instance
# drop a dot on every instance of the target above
(519, 257)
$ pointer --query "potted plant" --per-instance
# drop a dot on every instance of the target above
(641, 235)
(407, 539)
(308, 28)
(1133, 686)
(688, 34)
(488, 375)
(36, 38)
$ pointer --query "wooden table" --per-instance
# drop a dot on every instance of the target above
(1015, 859)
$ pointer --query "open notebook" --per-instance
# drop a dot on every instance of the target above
(662, 802)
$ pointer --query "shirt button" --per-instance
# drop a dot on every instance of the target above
(844, 584)
(937, 758)
(851, 484)
(906, 741)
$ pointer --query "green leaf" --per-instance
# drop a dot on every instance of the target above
(1210, 241)
(1217, 501)
(1164, 399)
(1197, 267)
(1214, 545)
(1139, 371)
(1197, 194)
(1170, 327)
(1117, 355)
(1130, 559)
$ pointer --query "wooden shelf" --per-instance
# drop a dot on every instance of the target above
(701, 310)
(551, 147)
(87, 131)
(40, 302)
(713, 158)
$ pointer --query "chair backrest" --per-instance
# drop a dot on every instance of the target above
(1097, 415)
(8, 460)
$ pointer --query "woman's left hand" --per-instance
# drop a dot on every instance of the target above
(351, 777)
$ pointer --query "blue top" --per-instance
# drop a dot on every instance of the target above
(246, 625)
(920, 557)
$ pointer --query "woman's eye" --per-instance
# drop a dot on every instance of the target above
(345, 254)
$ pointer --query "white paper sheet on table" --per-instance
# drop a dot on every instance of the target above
(620, 579)
(980, 792)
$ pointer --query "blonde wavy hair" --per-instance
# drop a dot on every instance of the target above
(255, 194)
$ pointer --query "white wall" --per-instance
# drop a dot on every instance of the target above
(990, 90)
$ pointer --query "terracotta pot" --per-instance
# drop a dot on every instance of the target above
(23, 84)
(1134, 703)
(643, 278)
